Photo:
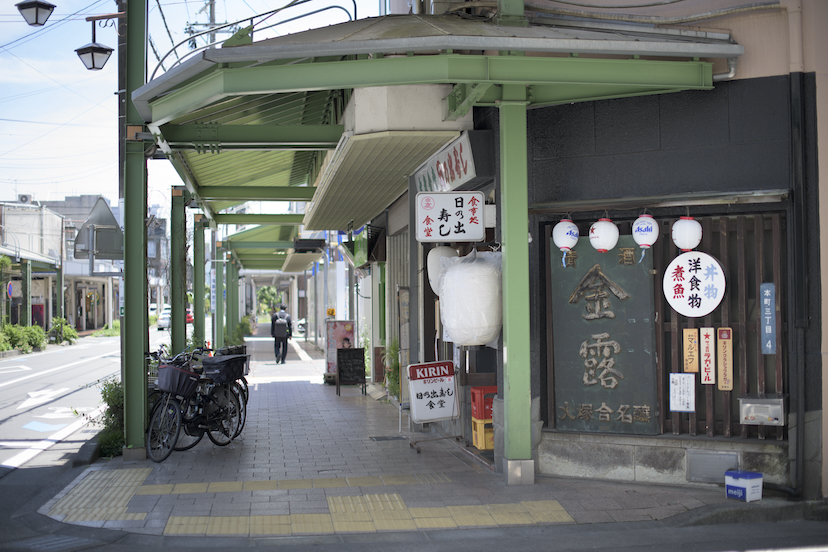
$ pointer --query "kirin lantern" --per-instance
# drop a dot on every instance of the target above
(603, 235)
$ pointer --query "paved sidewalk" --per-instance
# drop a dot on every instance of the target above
(311, 463)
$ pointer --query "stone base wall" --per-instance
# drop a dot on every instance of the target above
(662, 459)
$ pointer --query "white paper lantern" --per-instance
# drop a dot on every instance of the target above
(687, 233)
(603, 235)
(433, 264)
(471, 303)
(645, 231)
(565, 234)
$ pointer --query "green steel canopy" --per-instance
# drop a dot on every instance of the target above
(264, 121)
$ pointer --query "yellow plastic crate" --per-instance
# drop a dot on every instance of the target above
(483, 434)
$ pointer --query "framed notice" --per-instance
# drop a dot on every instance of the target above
(682, 392)
(708, 356)
(724, 343)
(691, 350)
(450, 217)
(433, 390)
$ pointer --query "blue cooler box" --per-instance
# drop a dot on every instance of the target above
(743, 485)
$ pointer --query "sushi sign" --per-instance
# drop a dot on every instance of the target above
(433, 391)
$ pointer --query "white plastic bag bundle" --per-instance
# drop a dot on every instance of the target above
(471, 306)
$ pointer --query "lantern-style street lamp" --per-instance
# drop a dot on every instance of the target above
(94, 55)
(35, 12)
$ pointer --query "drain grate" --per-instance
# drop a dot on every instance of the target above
(55, 543)
(390, 438)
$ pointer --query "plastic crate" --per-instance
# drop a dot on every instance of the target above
(483, 434)
(481, 402)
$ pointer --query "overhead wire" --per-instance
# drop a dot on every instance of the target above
(46, 29)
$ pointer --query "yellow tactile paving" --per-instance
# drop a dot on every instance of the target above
(370, 481)
(229, 525)
(260, 485)
(435, 523)
(329, 483)
(429, 478)
(510, 514)
(270, 525)
(547, 511)
(471, 516)
(190, 488)
(147, 490)
(395, 524)
(418, 513)
(387, 507)
(348, 508)
(102, 496)
(225, 487)
(186, 525)
(312, 524)
(295, 484)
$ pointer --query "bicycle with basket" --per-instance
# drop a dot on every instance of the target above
(196, 395)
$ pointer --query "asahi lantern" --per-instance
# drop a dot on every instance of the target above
(645, 233)
(603, 235)
(687, 233)
(565, 234)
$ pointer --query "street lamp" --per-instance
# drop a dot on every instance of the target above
(35, 12)
(94, 55)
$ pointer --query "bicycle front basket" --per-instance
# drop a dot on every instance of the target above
(222, 369)
(177, 380)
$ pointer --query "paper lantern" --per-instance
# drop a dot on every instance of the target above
(603, 235)
(433, 264)
(471, 303)
(687, 233)
(565, 234)
(645, 231)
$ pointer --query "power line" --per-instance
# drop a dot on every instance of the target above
(43, 30)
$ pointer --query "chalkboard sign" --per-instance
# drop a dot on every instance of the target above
(350, 368)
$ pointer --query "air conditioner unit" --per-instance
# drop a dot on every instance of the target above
(24, 198)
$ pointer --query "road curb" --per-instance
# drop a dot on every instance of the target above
(763, 511)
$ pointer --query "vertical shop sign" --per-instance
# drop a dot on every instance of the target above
(691, 350)
(433, 391)
(724, 344)
(708, 356)
(768, 323)
(682, 392)
(604, 358)
(447, 169)
(213, 290)
(450, 217)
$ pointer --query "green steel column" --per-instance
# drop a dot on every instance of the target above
(60, 311)
(229, 305)
(510, 13)
(25, 316)
(517, 395)
(198, 281)
(178, 264)
(220, 300)
(135, 332)
(233, 282)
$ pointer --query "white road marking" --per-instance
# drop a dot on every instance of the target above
(39, 397)
(62, 367)
(12, 369)
(60, 412)
(19, 459)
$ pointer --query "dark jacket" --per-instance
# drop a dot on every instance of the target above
(276, 329)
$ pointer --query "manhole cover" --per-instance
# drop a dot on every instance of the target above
(391, 438)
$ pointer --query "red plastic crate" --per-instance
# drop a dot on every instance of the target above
(481, 401)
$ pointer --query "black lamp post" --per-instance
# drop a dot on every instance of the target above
(35, 12)
(94, 55)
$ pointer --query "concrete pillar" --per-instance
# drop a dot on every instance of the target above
(178, 267)
(517, 394)
(220, 300)
(25, 318)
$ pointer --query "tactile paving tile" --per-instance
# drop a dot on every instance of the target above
(228, 525)
(369, 481)
(295, 484)
(270, 525)
(329, 483)
(310, 524)
(225, 487)
(103, 495)
(386, 507)
(429, 478)
(510, 514)
(471, 516)
(186, 525)
(260, 485)
(149, 490)
(190, 488)
(547, 511)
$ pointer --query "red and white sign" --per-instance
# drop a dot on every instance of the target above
(708, 356)
(433, 390)
(450, 217)
(448, 169)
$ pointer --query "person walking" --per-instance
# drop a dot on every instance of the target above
(281, 329)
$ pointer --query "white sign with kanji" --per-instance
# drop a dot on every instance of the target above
(433, 392)
(450, 217)
(694, 284)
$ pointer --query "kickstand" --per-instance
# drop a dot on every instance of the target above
(414, 445)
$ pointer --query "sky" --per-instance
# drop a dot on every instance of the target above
(58, 120)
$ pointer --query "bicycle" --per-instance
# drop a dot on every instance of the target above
(195, 403)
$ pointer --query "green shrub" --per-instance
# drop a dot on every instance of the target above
(63, 330)
(4, 343)
(106, 331)
(35, 336)
(111, 438)
(391, 358)
(16, 338)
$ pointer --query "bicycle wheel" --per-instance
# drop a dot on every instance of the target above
(191, 432)
(242, 406)
(224, 419)
(163, 429)
(242, 383)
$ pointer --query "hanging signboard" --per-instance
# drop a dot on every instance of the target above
(450, 217)
(708, 356)
(682, 392)
(694, 284)
(433, 391)
(768, 326)
(447, 169)
(724, 343)
(691, 350)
